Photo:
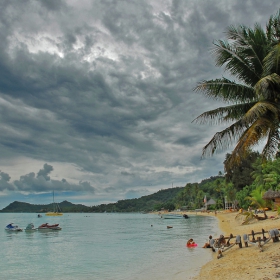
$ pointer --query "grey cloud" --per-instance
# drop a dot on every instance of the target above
(45, 172)
(43, 183)
(53, 5)
(4, 182)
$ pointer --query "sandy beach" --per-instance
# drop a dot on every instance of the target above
(246, 262)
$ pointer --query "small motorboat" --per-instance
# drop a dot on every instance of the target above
(173, 216)
(30, 227)
(11, 227)
(46, 226)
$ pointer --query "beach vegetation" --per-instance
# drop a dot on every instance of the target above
(246, 217)
(256, 198)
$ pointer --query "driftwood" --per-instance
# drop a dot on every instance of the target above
(261, 218)
(222, 243)
(249, 216)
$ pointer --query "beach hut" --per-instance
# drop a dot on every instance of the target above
(274, 196)
(211, 201)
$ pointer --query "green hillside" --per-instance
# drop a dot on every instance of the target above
(24, 207)
(163, 198)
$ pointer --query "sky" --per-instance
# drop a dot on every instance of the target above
(97, 97)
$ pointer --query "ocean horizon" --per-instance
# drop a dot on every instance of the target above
(119, 246)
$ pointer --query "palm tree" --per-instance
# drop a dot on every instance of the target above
(253, 57)
(257, 200)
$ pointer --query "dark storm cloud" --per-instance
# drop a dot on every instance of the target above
(108, 86)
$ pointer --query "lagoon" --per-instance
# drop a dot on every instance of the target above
(105, 246)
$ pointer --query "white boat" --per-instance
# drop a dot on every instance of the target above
(12, 228)
(30, 227)
(47, 227)
(174, 216)
(56, 209)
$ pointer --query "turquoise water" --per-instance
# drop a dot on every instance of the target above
(105, 246)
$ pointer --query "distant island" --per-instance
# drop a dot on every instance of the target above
(66, 206)
(162, 198)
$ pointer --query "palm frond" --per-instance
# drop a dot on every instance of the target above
(272, 61)
(226, 90)
(259, 110)
(224, 114)
(273, 28)
(271, 146)
(224, 138)
(251, 41)
(268, 87)
(235, 62)
(251, 136)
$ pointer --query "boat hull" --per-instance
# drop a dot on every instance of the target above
(54, 214)
(47, 227)
(13, 230)
(173, 216)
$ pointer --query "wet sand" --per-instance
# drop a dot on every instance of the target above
(246, 262)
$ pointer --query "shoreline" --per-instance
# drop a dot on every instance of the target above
(246, 262)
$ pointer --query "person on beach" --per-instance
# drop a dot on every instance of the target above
(190, 242)
(207, 244)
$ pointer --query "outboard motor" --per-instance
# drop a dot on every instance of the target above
(246, 239)
(274, 233)
(238, 241)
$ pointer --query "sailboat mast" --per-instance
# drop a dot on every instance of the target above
(53, 202)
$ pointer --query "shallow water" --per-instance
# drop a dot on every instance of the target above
(105, 246)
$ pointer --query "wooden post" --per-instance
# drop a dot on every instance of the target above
(253, 236)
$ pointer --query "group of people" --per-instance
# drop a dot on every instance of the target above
(210, 242)
(206, 245)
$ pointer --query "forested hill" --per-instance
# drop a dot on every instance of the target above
(66, 206)
(162, 198)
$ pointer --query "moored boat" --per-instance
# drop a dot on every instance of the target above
(12, 228)
(56, 209)
(173, 216)
(46, 226)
